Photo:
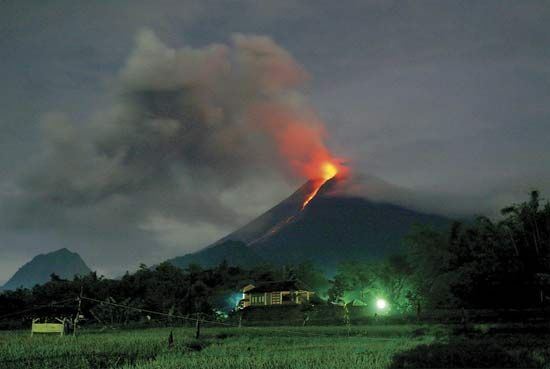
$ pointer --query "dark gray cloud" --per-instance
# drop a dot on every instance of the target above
(448, 101)
(182, 132)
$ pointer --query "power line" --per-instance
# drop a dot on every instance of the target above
(58, 304)
(263, 329)
(187, 318)
(202, 320)
(141, 310)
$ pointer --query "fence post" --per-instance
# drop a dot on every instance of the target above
(306, 319)
(198, 327)
(170, 340)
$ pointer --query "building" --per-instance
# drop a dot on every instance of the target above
(275, 293)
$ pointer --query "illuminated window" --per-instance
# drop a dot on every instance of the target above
(257, 299)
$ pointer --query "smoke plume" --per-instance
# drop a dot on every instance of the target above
(189, 128)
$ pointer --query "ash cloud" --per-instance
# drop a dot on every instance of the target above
(174, 148)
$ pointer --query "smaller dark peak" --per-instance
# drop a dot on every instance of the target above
(62, 262)
(63, 251)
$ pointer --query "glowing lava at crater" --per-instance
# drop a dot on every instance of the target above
(328, 170)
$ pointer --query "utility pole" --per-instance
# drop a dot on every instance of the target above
(79, 299)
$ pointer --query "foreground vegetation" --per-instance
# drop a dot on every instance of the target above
(275, 347)
(219, 348)
(500, 268)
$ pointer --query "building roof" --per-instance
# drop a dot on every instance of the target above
(279, 286)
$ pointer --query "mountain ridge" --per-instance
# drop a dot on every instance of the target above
(63, 262)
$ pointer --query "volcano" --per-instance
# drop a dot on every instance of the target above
(331, 229)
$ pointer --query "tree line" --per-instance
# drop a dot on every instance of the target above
(163, 288)
(477, 264)
(482, 264)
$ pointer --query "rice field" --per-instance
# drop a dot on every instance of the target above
(251, 347)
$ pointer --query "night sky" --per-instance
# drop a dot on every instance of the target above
(440, 105)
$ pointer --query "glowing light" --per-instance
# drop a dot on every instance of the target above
(328, 171)
(381, 304)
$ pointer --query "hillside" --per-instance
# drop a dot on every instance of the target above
(335, 229)
(235, 253)
(64, 263)
(331, 229)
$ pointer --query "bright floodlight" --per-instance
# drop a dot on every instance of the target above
(381, 304)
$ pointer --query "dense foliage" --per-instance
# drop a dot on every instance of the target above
(481, 264)
(164, 288)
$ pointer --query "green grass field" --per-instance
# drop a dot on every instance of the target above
(273, 347)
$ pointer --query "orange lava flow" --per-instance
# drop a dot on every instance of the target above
(328, 171)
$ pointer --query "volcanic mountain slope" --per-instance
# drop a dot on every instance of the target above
(273, 219)
(329, 230)
(64, 263)
(234, 247)
(235, 253)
